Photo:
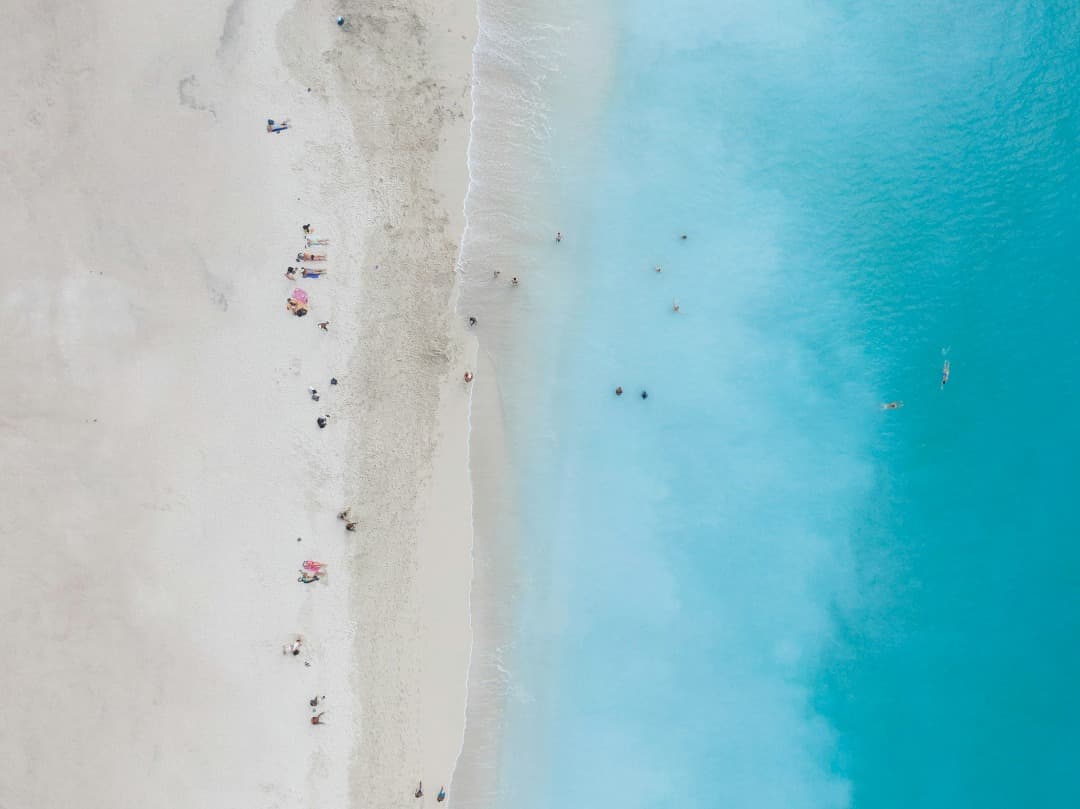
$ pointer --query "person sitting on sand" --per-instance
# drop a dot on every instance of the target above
(311, 256)
(350, 526)
(296, 307)
(308, 228)
(322, 421)
(293, 648)
(290, 273)
(892, 406)
(344, 515)
(306, 578)
(468, 376)
(280, 126)
(317, 719)
(310, 273)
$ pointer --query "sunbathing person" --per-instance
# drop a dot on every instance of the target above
(280, 126)
(308, 272)
(311, 256)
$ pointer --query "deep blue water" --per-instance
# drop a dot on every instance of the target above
(756, 588)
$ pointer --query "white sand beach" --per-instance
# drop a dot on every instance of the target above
(161, 451)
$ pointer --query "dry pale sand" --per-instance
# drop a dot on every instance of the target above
(160, 451)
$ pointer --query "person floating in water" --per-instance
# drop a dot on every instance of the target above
(644, 394)
(618, 391)
(659, 268)
(945, 374)
(674, 305)
(684, 237)
(892, 405)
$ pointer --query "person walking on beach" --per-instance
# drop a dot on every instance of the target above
(442, 795)
(317, 719)
(419, 790)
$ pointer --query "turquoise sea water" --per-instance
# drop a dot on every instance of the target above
(756, 588)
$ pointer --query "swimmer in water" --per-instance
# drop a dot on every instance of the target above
(945, 374)
(674, 305)
(892, 405)
(658, 268)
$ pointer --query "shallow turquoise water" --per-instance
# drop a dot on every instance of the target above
(756, 588)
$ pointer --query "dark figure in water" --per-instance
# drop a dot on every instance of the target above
(644, 394)
(618, 391)
(684, 236)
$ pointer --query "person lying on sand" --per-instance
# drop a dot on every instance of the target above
(317, 719)
(311, 256)
(306, 578)
(280, 126)
(320, 242)
(296, 307)
(310, 273)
